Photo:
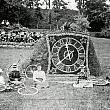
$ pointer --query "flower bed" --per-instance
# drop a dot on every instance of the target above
(15, 45)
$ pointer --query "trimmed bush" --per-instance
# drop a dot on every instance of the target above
(93, 63)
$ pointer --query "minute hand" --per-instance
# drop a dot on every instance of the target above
(65, 57)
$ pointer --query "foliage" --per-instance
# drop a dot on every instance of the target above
(59, 4)
(94, 10)
(82, 23)
(36, 17)
(47, 3)
(40, 55)
(67, 16)
(15, 12)
(15, 2)
(59, 9)
(3, 8)
(29, 14)
(32, 3)
(88, 7)
(19, 14)
(93, 62)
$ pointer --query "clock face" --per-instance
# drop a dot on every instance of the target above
(68, 55)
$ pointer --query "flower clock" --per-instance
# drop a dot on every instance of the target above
(67, 52)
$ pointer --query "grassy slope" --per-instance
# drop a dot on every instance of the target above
(103, 53)
(59, 96)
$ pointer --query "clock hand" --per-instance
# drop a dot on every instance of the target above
(65, 57)
(68, 51)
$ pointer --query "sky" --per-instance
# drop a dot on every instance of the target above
(72, 4)
(108, 2)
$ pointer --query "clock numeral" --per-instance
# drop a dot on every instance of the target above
(81, 50)
(68, 68)
(72, 68)
(61, 42)
(76, 66)
(83, 40)
(60, 66)
(78, 45)
(52, 40)
(55, 49)
(80, 62)
(81, 55)
(69, 40)
(55, 55)
(55, 60)
(73, 42)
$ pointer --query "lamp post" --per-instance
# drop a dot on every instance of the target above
(3, 22)
(7, 23)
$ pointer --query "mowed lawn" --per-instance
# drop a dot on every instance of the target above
(102, 48)
(59, 96)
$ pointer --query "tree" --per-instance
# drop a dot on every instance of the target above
(14, 12)
(37, 16)
(82, 23)
(25, 16)
(46, 3)
(34, 6)
(58, 7)
(15, 2)
(93, 9)
(4, 6)
(59, 4)
(26, 12)
(32, 3)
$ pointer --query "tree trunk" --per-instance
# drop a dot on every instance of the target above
(50, 27)
(38, 25)
(57, 26)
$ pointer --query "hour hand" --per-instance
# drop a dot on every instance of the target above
(65, 57)
(68, 51)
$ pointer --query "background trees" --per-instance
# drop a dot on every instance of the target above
(29, 13)
(95, 10)
(59, 10)
(25, 12)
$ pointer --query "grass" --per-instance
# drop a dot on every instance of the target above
(59, 96)
(103, 53)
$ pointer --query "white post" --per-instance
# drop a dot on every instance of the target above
(3, 22)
